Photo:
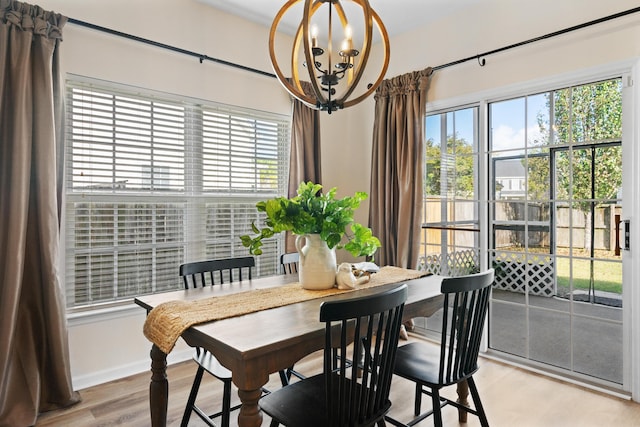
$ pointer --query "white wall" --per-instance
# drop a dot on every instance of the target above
(111, 345)
(498, 23)
(191, 26)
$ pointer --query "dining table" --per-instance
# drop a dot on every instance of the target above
(265, 339)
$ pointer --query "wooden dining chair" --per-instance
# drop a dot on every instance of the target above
(466, 300)
(209, 273)
(345, 395)
(289, 265)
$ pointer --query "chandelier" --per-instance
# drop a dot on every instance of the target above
(333, 73)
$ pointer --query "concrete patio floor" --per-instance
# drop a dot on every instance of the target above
(581, 337)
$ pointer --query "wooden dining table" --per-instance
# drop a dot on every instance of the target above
(253, 346)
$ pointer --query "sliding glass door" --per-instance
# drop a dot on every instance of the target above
(555, 205)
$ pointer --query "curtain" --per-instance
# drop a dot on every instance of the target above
(304, 163)
(34, 353)
(397, 167)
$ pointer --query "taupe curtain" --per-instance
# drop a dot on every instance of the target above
(397, 167)
(34, 353)
(304, 163)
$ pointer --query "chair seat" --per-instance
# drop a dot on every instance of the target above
(420, 362)
(303, 404)
(212, 365)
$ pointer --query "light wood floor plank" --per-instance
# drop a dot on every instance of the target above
(511, 397)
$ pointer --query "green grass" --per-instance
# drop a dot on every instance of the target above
(607, 275)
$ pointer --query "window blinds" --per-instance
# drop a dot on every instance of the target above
(156, 180)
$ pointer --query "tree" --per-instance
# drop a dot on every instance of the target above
(458, 168)
(585, 119)
(587, 114)
(596, 117)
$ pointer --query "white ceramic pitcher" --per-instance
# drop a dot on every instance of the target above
(317, 266)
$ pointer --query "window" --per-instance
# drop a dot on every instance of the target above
(155, 180)
(450, 241)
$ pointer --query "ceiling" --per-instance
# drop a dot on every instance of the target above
(398, 16)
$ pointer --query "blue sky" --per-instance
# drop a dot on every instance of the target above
(511, 122)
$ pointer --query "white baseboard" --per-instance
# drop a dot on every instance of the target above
(100, 377)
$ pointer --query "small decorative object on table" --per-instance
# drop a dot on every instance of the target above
(310, 213)
(346, 277)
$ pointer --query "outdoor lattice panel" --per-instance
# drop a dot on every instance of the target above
(453, 264)
(431, 264)
(520, 273)
(541, 280)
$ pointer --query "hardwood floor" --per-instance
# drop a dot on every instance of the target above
(512, 397)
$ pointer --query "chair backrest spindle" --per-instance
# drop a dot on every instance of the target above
(289, 262)
(204, 273)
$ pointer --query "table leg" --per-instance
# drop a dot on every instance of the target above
(463, 399)
(250, 414)
(159, 388)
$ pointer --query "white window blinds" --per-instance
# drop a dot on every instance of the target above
(155, 180)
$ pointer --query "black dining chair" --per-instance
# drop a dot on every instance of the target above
(345, 395)
(466, 300)
(289, 265)
(289, 262)
(209, 273)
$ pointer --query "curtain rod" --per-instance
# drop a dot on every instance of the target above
(200, 56)
(478, 57)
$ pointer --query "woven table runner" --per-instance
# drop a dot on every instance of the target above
(166, 322)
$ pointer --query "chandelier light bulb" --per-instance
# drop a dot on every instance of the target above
(314, 36)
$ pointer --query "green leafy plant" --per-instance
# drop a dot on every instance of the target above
(314, 212)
